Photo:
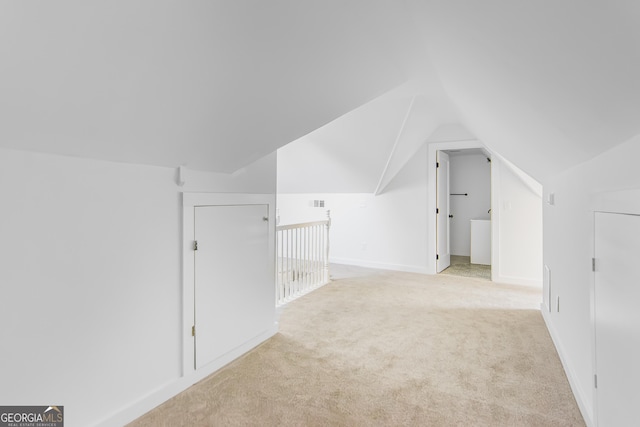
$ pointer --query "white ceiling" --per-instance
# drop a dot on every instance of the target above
(216, 85)
(366, 147)
(545, 84)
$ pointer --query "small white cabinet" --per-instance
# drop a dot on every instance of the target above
(481, 241)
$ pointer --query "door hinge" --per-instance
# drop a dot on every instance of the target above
(437, 210)
(595, 381)
(193, 331)
(437, 256)
(593, 264)
(195, 245)
(437, 164)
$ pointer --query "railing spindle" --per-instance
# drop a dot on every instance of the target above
(303, 259)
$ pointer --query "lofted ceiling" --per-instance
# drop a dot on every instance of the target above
(215, 85)
(363, 150)
(545, 84)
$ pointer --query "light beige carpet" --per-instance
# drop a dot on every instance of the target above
(461, 266)
(379, 348)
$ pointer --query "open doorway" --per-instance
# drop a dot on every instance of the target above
(463, 222)
(441, 238)
(512, 227)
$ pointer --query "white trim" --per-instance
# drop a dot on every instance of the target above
(513, 280)
(433, 147)
(171, 389)
(379, 265)
(586, 408)
(380, 187)
(620, 201)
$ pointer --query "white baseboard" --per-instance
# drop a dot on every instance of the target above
(512, 280)
(171, 389)
(586, 407)
(380, 265)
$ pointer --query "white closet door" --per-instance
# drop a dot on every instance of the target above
(234, 296)
(617, 319)
(442, 217)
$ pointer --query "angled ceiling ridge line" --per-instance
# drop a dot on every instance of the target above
(379, 187)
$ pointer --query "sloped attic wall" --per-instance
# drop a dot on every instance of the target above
(91, 281)
(347, 155)
(213, 85)
(103, 101)
(387, 231)
(394, 229)
(364, 149)
(568, 248)
(547, 86)
(377, 147)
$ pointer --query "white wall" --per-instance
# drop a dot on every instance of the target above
(469, 173)
(90, 303)
(568, 248)
(516, 226)
(258, 177)
(546, 110)
(385, 231)
(392, 230)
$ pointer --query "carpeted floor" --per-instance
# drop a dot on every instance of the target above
(381, 348)
(461, 266)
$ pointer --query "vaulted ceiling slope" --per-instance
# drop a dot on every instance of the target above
(363, 150)
(213, 85)
(216, 85)
(547, 84)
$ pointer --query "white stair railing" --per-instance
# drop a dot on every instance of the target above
(303, 258)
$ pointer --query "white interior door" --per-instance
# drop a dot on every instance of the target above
(443, 258)
(234, 293)
(617, 319)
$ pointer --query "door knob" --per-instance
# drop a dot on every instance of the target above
(450, 216)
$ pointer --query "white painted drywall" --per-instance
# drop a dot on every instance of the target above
(385, 231)
(568, 248)
(519, 91)
(220, 84)
(90, 295)
(471, 174)
(258, 177)
(363, 150)
(451, 132)
(421, 120)
(516, 226)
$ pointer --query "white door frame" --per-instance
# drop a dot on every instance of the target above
(189, 202)
(443, 208)
(433, 148)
